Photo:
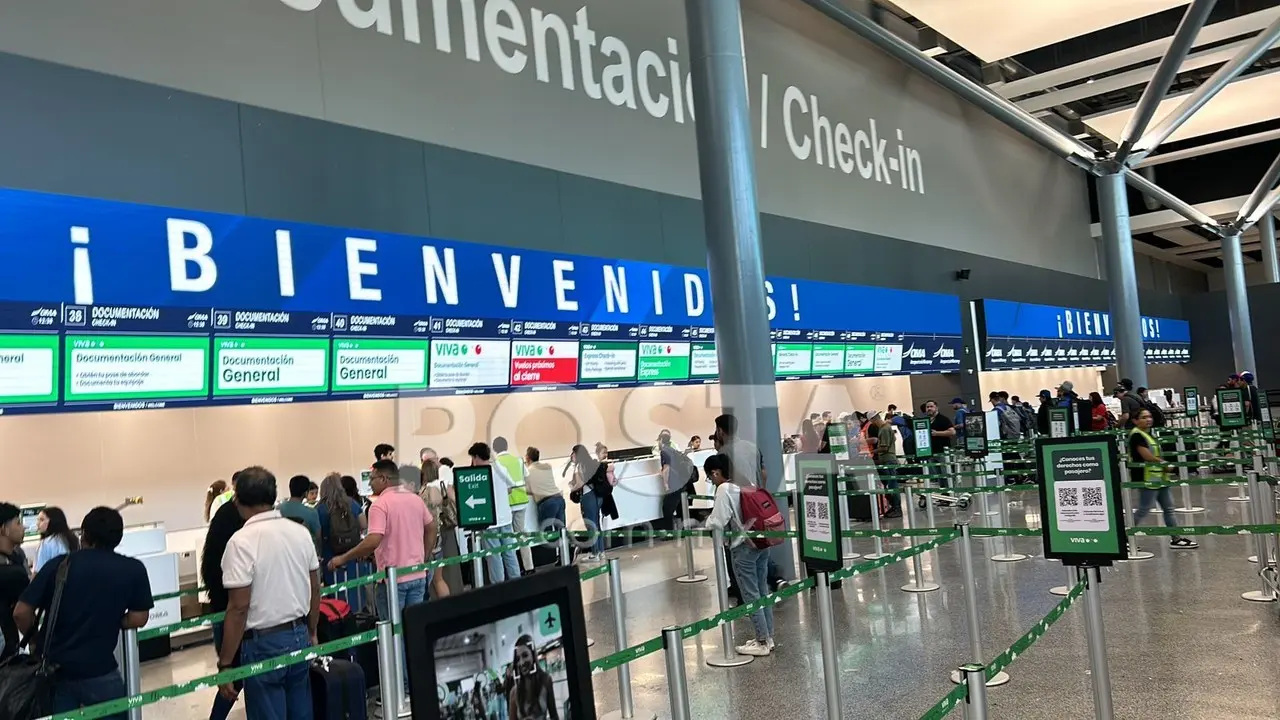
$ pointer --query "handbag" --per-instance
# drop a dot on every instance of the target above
(26, 681)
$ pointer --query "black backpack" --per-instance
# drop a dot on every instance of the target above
(344, 529)
(682, 469)
(1157, 415)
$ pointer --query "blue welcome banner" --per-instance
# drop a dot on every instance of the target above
(1025, 335)
(120, 305)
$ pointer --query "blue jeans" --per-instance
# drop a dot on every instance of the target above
(591, 516)
(411, 592)
(221, 705)
(503, 566)
(751, 568)
(283, 694)
(1148, 499)
(551, 510)
(69, 695)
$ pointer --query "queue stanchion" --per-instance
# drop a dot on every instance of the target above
(729, 656)
(1134, 552)
(477, 564)
(830, 658)
(1253, 511)
(1007, 554)
(677, 684)
(1184, 474)
(1064, 590)
(917, 565)
(1095, 637)
(387, 665)
(846, 522)
(396, 681)
(1237, 451)
(690, 575)
(975, 703)
(566, 549)
(1260, 542)
(873, 503)
(929, 503)
(972, 619)
(626, 701)
(132, 670)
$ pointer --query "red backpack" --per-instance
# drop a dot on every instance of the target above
(760, 514)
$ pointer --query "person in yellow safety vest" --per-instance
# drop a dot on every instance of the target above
(518, 496)
(1143, 448)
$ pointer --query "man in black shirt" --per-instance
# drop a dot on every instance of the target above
(105, 592)
(943, 431)
(225, 523)
(13, 575)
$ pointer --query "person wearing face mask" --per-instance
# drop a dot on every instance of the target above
(532, 695)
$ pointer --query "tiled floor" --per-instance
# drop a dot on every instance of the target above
(1181, 642)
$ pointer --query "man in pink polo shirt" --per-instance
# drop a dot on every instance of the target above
(401, 529)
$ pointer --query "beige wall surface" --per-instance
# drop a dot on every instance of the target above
(171, 456)
(1027, 384)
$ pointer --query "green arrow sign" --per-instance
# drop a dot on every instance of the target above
(474, 487)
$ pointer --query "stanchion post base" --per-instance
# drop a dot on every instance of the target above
(1236, 498)
(1253, 558)
(591, 642)
(1060, 591)
(853, 556)
(875, 556)
(1258, 596)
(1011, 557)
(688, 579)
(1189, 510)
(1000, 678)
(1139, 555)
(719, 661)
(639, 714)
(921, 588)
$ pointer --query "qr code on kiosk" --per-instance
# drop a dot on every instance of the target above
(1069, 497)
(1093, 497)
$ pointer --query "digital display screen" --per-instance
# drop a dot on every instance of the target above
(703, 361)
(365, 364)
(469, 363)
(517, 662)
(791, 359)
(542, 362)
(664, 361)
(132, 367)
(607, 362)
(29, 368)
(271, 366)
(828, 359)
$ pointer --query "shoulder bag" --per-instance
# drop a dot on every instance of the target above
(26, 681)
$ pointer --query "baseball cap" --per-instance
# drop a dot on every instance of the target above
(1067, 386)
(957, 401)
(1246, 376)
(1118, 389)
(1045, 394)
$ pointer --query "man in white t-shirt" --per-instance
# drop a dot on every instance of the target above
(503, 566)
(271, 573)
(746, 457)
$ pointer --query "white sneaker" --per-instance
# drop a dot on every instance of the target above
(770, 644)
(754, 648)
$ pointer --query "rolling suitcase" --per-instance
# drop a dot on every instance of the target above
(337, 690)
(366, 655)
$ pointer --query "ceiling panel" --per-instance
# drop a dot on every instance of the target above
(997, 29)
(1250, 100)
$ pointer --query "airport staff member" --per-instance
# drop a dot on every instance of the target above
(271, 573)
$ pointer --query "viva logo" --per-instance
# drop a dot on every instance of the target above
(532, 350)
(456, 349)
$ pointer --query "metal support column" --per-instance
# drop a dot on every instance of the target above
(132, 670)
(1267, 234)
(735, 262)
(1122, 278)
(1237, 303)
(1095, 637)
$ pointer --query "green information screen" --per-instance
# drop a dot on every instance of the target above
(135, 367)
(1191, 399)
(474, 486)
(922, 429)
(1081, 506)
(606, 361)
(1059, 422)
(270, 365)
(376, 364)
(828, 359)
(28, 369)
(859, 358)
(703, 362)
(820, 515)
(792, 359)
(664, 361)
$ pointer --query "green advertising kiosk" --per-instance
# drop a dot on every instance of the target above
(1059, 422)
(922, 428)
(975, 435)
(819, 513)
(1081, 506)
(1191, 401)
(1231, 410)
